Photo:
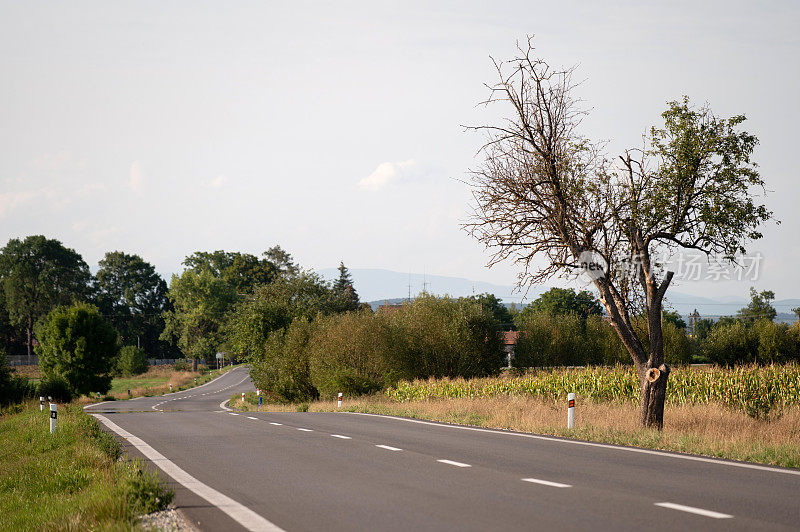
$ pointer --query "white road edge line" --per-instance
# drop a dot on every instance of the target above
(547, 483)
(590, 444)
(222, 405)
(693, 510)
(341, 437)
(457, 464)
(389, 447)
(238, 512)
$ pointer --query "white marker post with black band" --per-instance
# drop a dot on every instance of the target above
(340, 400)
(41, 403)
(570, 410)
(53, 417)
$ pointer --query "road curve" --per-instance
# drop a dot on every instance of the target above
(339, 471)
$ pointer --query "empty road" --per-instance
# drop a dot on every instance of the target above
(341, 471)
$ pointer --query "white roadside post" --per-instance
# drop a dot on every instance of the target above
(53, 417)
(242, 398)
(340, 400)
(570, 410)
(41, 403)
(170, 387)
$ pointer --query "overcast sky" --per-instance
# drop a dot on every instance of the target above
(335, 129)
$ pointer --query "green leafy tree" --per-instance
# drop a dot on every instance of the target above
(496, 307)
(283, 261)
(673, 317)
(242, 271)
(274, 306)
(78, 345)
(133, 296)
(560, 301)
(344, 286)
(760, 307)
(552, 201)
(200, 302)
(39, 274)
(131, 361)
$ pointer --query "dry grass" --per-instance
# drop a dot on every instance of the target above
(710, 430)
(29, 372)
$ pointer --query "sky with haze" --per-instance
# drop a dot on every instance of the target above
(335, 129)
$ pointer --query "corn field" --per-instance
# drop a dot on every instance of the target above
(755, 390)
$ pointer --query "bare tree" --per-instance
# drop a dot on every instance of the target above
(551, 201)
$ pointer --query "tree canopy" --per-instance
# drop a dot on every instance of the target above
(759, 308)
(39, 274)
(559, 301)
(133, 296)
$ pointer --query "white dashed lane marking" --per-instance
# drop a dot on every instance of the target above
(273, 423)
(250, 417)
(693, 510)
(389, 447)
(305, 430)
(341, 437)
(547, 483)
(452, 463)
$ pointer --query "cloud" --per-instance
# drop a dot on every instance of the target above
(385, 174)
(137, 177)
(10, 200)
(217, 182)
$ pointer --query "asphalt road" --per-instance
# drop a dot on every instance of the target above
(340, 471)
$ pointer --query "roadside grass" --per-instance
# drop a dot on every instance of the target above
(156, 381)
(708, 429)
(71, 480)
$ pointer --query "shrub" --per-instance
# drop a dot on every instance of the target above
(78, 345)
(55, 386)
(281, 369)
(131, 361)
(13, 389)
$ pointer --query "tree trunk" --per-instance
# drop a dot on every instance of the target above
(29, 329)
(654, 392)
(194, 364)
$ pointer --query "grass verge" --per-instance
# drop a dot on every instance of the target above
(71, 480)
(709, 430)
(156, 381)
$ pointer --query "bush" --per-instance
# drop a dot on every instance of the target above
(763, 342)
(131, 361)
(281, 369)
(79, 346)
(55, 386)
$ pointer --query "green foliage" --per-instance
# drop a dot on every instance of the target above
(361, 352)
(13, 389)
(55, 386)
(37, 275)
(763, 342)
(280, 367)
(146, 492)
(560, 301)
(242, 271)
(344, 287)
(672, 316)
(500, 312)
(274, 306)
(200, 302)
(759, 308)
(131, 361)
(548, 340)
(133, 296)
(78, 344)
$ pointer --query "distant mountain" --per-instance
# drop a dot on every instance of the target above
(378, 286)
